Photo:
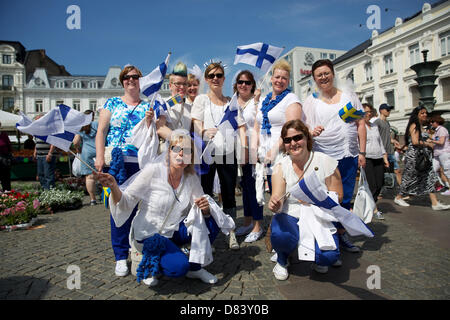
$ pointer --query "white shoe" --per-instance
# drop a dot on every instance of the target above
(241, 231)
(234, 245)
(274, 258)
(320, 269)
(151, 282)
(121, 268)
(401, 202)
(253, 236)
(379, 215)
(203, 275)
(440, 206)
(281, 273)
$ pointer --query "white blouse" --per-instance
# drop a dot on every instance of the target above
(277, 118)
(180, 116)
(211, 114)
(339, 139)
(156, 198)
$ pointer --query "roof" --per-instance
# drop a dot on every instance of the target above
(39, 59)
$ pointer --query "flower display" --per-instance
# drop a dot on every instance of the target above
(19, 208)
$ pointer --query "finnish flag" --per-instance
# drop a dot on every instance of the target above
(58, 127)
(260, 55)
(152, 82)
(229, 122)
(310, 190)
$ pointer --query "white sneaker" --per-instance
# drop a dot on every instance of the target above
(401, 202)
(253, 236)
(320, 269)
(151, 282)
(274, 258)
(446, 193)
(121, 268)
(379, 215)
(440, 206)
(203, 275)
(241, 231)
(234, 245)
(281, 273)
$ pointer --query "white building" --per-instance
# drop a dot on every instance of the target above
(380, 66)
(12, 75)
(301, 60)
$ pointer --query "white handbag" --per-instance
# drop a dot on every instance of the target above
(364, 204)
(76, 166)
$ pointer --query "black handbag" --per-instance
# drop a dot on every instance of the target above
(423, 159)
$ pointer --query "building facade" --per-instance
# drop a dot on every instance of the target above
(379, 68)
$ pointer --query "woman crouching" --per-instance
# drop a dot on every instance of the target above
(291, 215)
(173, 211)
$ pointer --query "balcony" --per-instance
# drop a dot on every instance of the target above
(6, 88)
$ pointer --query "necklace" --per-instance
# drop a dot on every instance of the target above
(172, 185)
(216, 123)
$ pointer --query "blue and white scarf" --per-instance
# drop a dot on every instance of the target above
(268, 105)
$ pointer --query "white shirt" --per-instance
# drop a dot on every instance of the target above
(339, 139)
(204, 110)
(249, 114)
(277, 118)
(155, 197)
(374, 145)
(180, 116)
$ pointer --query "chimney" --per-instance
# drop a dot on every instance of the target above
(42, 52)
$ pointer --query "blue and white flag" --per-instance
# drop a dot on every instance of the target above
(160, 107)
(62, 122)
(152, 82)
(310, 190)
(260, 55)
(229, 119)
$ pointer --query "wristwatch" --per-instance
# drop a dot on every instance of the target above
(362, 153)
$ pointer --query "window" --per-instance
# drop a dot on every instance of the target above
(368, 69)
(93, 84)
(369, 100)
(445, 82)
(414, 56)
(7, 82)
(58, 102)
(8, 104)
(323, 55)
(390, 98)
(388, 64)
(60, 84)
(38, 106)
(332, 56)
(7, 59)
(76, 85)
(76, 105)
(444, 39)
(93, 105)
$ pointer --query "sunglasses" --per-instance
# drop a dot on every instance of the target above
(296, 138)
(215, 75)
(249, 83)
(129, 76)
(177, 149)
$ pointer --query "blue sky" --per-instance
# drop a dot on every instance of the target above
(143, 32)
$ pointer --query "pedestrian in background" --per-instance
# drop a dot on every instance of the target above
(5, 160)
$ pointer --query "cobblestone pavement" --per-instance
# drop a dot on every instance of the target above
(411, 250)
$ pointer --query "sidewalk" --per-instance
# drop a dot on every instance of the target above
(411, 249)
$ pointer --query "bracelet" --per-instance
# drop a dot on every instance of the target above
(362, 153)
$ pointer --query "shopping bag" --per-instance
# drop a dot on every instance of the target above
(76, 166)
(364, 203)
(389, 180)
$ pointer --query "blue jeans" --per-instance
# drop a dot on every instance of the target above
(251, 207)
(119, 236)
(285, 236)
(46, 172)
(348, 168)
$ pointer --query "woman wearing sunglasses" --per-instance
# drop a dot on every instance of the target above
(207, 113)
(288, 211)
(166, 189)
(248, 98)
(117, 119)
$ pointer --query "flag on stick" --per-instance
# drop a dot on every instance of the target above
(152, 82)
(260, 55)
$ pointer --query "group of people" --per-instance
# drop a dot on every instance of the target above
(162, 205)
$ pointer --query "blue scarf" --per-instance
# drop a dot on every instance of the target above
(268, 105)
